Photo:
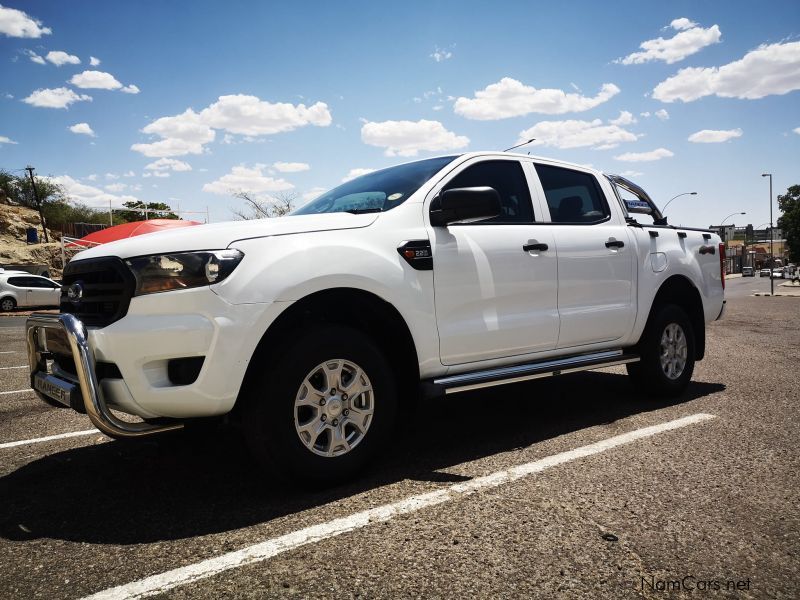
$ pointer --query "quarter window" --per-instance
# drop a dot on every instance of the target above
(508, 178)
(572, 196)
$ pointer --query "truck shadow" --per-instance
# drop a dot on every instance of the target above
(173, 488)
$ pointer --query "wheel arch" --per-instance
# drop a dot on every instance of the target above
(352, 307)
(679, 290)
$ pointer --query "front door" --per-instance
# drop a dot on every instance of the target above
(494, 298)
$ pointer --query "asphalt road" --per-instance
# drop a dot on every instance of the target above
(541, 490)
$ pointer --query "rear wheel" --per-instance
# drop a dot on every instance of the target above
(324, 409)
(667, 352)
(7, 304)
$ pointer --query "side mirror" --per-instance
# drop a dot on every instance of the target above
(465, 205)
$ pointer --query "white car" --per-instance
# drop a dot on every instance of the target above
(319, 330)
(21, 289)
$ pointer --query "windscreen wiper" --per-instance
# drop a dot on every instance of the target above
(361, 211)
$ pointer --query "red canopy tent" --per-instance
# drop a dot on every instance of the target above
(126, 230)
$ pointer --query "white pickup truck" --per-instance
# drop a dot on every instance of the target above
(432, 277)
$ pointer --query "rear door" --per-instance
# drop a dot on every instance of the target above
(596, 299)
(494, 298)
(23, 289)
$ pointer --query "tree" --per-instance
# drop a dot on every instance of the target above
(19, 190)
(278, 205)
(155, 210)
(789, 221)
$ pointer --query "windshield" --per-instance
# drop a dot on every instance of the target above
(377, 191)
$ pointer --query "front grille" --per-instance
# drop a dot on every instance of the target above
(107, 287)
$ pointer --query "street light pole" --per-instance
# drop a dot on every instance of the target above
(663, 210)
(771, 238)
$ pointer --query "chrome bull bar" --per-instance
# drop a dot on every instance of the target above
(99, 413)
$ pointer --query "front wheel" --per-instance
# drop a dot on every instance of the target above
(322, 410)
(667, 353)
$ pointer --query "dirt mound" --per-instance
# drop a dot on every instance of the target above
(14, 222)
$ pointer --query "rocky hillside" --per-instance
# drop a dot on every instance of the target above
(14, 220)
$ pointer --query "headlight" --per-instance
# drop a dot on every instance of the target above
(182, 270)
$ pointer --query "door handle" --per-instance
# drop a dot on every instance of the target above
(615, 244)
(529, 247)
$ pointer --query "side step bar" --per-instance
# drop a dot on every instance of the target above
(474, 380)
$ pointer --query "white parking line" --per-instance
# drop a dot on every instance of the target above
(157, 584)
(7, 368)
(49, 438)
(10, 351)
(16, 391)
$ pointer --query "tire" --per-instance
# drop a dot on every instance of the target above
(291, 406)
(667, 350)
(7, 304)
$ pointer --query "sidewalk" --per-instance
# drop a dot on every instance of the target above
(785, 289)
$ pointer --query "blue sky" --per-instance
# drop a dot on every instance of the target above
(191, 100)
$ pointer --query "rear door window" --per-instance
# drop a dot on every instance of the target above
(572, 196)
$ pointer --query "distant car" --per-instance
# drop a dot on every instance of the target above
(18, 288)
(748, 272)
(764, 273)
(778, 273)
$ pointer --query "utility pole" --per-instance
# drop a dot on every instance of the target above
(29, 169)
(771, 238)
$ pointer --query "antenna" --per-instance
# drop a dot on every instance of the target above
(522, 144)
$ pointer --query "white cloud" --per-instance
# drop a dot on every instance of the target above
(55, 98)
(188, 132)
(577, 134)
(130, 89)
(772, 69)
(129, 174)
(645, 114)
(312, 193)
(92, 177)
(690, 40)
(39, 60)
(249, 115)
(94, 61)
(291, 167)
(115, 187)
(711, 136)
(245, 179)
(407, 138)
(112, 176)
(83, 129)
(6, 140)
(15, 23)
(90, 195)
(182, 134)
(624, 118)
(59, 57)
(162, 174)
(440, 54)
(97, 80)
(511, 98)
(662, 114)
(796, 130)
(168, 164)
(353, 173)
(656, 154)
(631, 174)
(682, 23)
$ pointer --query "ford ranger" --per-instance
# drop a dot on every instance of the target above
(429, 278)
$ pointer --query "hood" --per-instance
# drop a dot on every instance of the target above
(218, 236)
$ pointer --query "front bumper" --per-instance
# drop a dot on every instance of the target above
(51, 388)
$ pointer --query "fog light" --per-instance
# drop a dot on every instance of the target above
(184, 371)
